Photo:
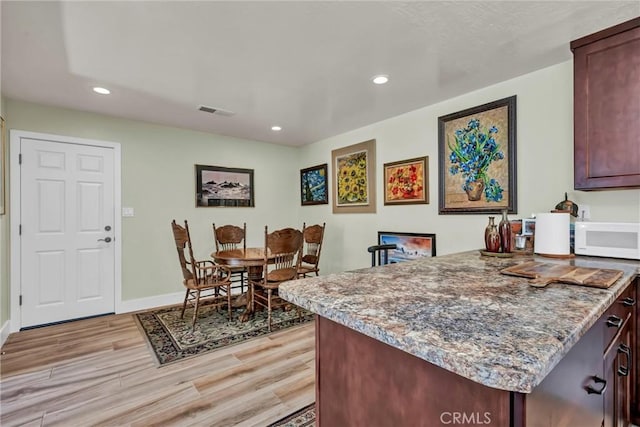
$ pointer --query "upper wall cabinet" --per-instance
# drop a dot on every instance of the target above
(607, 108)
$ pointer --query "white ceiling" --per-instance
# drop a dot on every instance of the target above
(305, 65)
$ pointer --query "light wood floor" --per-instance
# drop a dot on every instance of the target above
(100, 372)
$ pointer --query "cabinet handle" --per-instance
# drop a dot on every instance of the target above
(614, 321)
(629, 302)
(623, 371)
(596, 379)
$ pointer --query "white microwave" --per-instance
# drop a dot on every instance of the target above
(608, 239)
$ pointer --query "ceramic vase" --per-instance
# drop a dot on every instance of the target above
(504, 229)
(492, 236)
(474, 190)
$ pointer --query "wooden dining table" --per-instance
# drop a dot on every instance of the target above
(253, 260)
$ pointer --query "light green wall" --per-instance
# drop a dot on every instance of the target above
(544, 169)
(157, 164)
(4, 241)
(158, 182)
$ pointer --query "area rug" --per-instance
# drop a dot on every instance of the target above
(305, 417)
(172, 339)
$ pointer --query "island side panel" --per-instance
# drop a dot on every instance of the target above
(362, 381)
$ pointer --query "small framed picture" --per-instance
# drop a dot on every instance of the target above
(218, 186)
(313, 185)
(528, 226)
(405, 182)
(409, 245)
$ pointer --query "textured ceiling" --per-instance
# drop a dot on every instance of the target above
(305, 66)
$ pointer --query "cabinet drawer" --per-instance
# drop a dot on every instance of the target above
(620, 312)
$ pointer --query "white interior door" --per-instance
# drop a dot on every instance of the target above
(66, 231)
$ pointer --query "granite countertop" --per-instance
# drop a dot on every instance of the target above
(459, 313)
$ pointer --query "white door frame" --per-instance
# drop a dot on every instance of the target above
(15, 214)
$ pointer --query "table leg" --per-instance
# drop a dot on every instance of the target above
(254, 273)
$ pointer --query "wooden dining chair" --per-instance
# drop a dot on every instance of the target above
(204, 280)
(380, 253)
(228, 237)
(282, 247)
(312, 237)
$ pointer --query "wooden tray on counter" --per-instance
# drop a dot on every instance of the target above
(543, 273)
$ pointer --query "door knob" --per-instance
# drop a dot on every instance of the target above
(106, 239)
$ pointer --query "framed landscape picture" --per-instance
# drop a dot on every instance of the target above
(477, 159)
(354, 178)
(405, 182)
(218, 186)
(313, 185)
(410, 245)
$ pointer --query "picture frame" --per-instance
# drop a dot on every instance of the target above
(3, 143)
(218, 186)
(410, 245)
(406, 181)
(354, 177)
(477, 159)
(313, 185)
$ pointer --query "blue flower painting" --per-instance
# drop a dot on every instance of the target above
(477, 159)
(473, 150)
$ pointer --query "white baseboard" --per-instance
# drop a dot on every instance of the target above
(4, 332)
(150, 302)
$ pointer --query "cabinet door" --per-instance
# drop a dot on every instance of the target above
(572, 394)
(606, 110)
(618, 367)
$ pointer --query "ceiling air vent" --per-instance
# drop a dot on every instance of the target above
(217, 111)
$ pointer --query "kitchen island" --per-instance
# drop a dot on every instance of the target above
(439, 340)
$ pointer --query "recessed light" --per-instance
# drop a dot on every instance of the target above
(276, 128)
(380, 80)
(101, 90)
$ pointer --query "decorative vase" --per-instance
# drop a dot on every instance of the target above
(504, 229)
(474, 190)
(492, 236)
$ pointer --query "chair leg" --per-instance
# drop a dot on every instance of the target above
(184, 305)
(195, 310)
(252, 296)
(242, 282)
(269, 308)
(229, 301)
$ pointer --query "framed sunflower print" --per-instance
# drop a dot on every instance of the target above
(477, 159)
(405, 182)
(354, 178)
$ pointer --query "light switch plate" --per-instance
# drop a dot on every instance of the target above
(128, 212)
(584, 212)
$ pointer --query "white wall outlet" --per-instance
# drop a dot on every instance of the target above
(128, 212)
(584, 212)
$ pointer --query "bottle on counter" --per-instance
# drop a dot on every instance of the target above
(504, 229)
(492, 236)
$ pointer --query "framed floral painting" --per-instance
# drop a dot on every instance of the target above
(405, 182)
(313, 185)
(354, 178)
(477, 159)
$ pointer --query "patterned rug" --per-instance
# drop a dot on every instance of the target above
(305, 417)
(171, 338)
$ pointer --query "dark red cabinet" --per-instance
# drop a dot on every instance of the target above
(607, 108)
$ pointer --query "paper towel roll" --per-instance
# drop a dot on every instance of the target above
(552, 234)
